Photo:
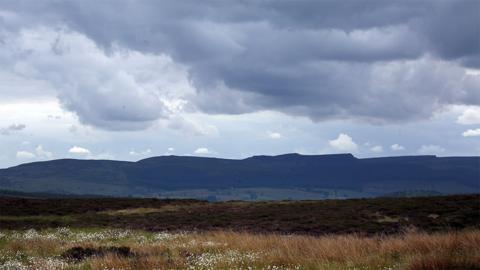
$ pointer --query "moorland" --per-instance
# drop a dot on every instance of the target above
(422, 233)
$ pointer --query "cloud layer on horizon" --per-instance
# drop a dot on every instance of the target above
(122, 65)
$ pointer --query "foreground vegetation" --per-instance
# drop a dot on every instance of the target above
(434, 233)
(65, 248)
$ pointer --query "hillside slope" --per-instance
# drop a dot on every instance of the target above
(177, 176)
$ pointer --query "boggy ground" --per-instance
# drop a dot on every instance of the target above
(361, 216)
(65, 248)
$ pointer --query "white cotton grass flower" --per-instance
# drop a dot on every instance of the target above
(31, 234)
(167, 236)
(64, 232)
(210, 260)
(33, 263)
(13, 265)
(164, 236)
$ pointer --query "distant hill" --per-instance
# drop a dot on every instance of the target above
(289, 176)
(46, 195)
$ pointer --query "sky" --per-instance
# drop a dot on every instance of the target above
(128, 79)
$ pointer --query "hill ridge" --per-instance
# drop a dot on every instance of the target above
(310, 174)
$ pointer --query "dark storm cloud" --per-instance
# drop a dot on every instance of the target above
(192, 29)
(372, 60)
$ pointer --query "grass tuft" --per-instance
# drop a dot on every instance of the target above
(64, 248)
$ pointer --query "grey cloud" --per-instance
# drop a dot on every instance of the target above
(397, 91)
(194, 31)
(378, 61)
(454, 29)
(16, 127)
(122, 90)
(12, 128)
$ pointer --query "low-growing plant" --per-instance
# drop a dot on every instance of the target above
(65, 248)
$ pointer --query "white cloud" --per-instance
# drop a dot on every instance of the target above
(471, 133)
(169, 151)
(344, 143)
(377, 149)
(42, 153)
(25, 155)
(274, 135)
(141, 153)
(202, 151)
(470, 116)
(430, 149)
(79, 150)
(397, 147)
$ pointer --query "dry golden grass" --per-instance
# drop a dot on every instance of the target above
(443, 262)
(353, 249)
(232, 250)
